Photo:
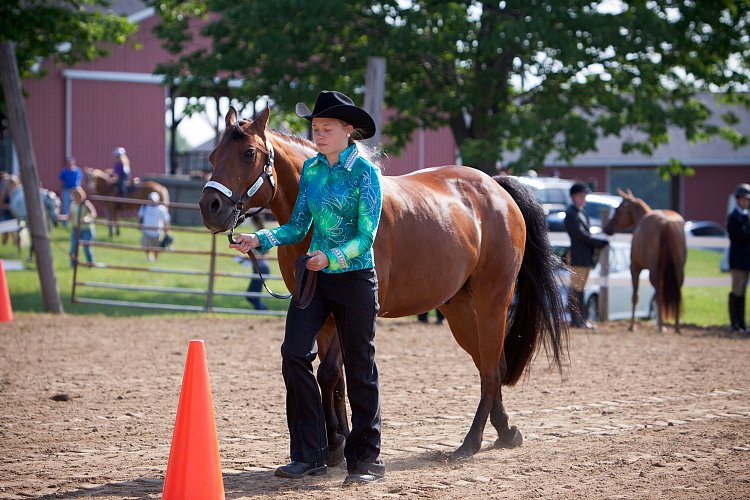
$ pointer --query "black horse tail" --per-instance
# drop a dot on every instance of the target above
(669, 286)
(538, 316)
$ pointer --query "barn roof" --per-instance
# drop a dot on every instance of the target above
(715, 152)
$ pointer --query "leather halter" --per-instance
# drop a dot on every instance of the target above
(238, 203)
(305, 278)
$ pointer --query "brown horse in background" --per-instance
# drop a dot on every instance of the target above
(659, 246)
(103, 183)
(449, 237)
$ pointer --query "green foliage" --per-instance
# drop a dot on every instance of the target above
(674, 168)
(516, 80)
(69, 31)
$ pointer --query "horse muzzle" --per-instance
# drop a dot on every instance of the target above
(217, 210)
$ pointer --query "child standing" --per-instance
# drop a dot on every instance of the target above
(82, 215)
(155, 220)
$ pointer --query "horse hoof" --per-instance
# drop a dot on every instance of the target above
(512, 439)
(463, 452)
(336, 455)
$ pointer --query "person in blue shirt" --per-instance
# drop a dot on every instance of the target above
(340, 195)
(71, 177)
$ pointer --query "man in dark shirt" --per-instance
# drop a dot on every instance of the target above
(738, 227)
(582, 248)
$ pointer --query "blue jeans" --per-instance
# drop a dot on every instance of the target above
(65, 205)
(85, 235)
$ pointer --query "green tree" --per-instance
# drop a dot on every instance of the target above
(30, 31)
(69, 31)
(515, 80)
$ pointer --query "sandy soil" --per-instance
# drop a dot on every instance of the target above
(636, 415)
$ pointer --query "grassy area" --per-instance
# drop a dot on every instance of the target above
(702, 306)
(25, 290)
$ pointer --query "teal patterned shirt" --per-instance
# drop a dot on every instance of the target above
(344, 202)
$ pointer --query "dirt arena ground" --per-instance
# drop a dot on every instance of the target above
(635, 415)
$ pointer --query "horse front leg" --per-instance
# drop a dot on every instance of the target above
(508, 437)
(333, 392)
(473, 439)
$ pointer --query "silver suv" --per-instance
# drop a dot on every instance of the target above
(554, 195)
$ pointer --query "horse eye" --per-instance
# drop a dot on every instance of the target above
(250, 153)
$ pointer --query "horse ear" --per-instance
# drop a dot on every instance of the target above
(621, 193)
(231, 117)
(630, 193)
(259, 124)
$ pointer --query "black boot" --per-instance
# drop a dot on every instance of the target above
(574, 307)
(741, 313)
(733, 312)
(585, 313)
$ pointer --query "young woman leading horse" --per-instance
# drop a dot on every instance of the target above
(488, 241)
(658, 245)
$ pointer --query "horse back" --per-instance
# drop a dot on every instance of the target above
(438, 226)
(658, 231)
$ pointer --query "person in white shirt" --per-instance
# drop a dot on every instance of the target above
(155, 220)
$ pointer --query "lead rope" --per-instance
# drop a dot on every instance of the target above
(305, 279)
(251, 254)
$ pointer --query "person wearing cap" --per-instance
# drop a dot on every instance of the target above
(738, 227)
(82, 215)
(154, 218)
(121, 170)
(71, 177)
(340, 194)
(583, 246)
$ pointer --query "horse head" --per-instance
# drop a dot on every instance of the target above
(626, 215)
(242, 171)
(99, 181)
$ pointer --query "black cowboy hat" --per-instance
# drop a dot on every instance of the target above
(333, 104)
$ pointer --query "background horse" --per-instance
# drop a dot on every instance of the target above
(659, 246)
(103, 183)
(50, 204)
(449, 237)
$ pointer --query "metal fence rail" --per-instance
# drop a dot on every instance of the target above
(210, 292)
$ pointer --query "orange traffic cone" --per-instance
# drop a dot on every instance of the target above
(6, 308)
(194, 468)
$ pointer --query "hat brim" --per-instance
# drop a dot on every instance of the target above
(353, 115)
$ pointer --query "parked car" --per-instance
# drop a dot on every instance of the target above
(552, 192)
(620, 288)
(704, 228)
(711, 229)
(595, 204)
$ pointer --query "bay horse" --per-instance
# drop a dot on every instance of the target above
(449, 237)
(658, 245)
(103, 183)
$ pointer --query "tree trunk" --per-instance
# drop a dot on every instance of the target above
(675, 192)
(19, 129)
(173, 131)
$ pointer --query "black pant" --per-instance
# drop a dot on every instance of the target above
(352, 298)
(256, 285)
